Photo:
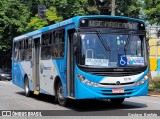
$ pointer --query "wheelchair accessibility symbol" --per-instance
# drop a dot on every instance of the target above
(122, 61)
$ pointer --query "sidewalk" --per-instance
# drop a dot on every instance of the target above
(154, 92)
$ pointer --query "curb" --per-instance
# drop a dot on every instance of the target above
(154, 89)
(154, 95)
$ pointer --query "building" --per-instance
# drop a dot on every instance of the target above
(154, 50)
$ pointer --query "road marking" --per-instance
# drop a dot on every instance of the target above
(146, 101)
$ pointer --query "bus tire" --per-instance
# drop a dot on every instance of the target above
(117, 101)
(59, 95)
(26, 88)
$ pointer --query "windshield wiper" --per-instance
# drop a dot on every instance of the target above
(103, 41)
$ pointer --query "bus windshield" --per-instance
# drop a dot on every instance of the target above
(122, 50)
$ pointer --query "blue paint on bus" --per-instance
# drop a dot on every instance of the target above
(86, 83)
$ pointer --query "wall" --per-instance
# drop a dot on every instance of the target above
(154, 54)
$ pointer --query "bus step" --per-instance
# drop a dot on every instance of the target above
(36, 92)
(70, 97)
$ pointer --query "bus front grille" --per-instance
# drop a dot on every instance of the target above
(115, 94)
(116, 74)
(116, 84)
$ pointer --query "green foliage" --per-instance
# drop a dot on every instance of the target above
(155, 83)
(20, 16)
(130, 8)
(70, 8)
(51, 18)
(36, 23)
(13, 19)
(52, 15)
(152, 11)
(92, 7)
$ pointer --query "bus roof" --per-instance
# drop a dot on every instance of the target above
(73, 20)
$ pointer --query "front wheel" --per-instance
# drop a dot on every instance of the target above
(60, 98)
(117, 101)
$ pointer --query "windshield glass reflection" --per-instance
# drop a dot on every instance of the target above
(126, 48)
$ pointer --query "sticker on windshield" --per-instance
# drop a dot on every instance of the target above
(122, 60)
(96, 62)
(118, 42)
(135, 60)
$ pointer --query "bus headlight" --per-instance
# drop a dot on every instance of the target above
(86, 81)
(142, 81)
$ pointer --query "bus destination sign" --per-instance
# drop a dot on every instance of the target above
(112, 23)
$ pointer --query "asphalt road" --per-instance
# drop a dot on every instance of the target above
(13, 98)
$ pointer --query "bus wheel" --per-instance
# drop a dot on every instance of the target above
(117, 101)
(26, 88)
(60, 98)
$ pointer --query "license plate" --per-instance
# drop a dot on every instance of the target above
(121, 90)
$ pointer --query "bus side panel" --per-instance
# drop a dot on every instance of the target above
(18, 75)
(27, 68)
(48, 72)
(60, 67)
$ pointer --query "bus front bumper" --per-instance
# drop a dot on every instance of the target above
(84, 91)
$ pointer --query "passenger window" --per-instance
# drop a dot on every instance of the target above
(46, 46)
(21, 51)
(58, 43)
(16, 49)
(28, 49)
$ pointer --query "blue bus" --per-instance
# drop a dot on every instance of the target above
(84, 57)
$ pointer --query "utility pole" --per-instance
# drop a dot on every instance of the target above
(113, 7)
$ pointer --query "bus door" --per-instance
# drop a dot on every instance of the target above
(35, 62)
(46, 64)
(70, 64)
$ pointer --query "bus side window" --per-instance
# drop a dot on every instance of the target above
(21, 50)
(46, 46)
(16, 49)
(28, 50)
(58, 43)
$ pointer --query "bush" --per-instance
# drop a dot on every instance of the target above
(155, 83)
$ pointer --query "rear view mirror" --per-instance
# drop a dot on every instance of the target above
(75, 42)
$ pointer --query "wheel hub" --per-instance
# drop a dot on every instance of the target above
(60, 93)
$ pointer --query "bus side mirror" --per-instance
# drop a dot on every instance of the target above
(148, 47)
(75, 42)
(158, 33)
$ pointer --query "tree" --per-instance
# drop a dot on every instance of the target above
(152, 11)
(70, 8)
(57, 10)
(13, 19)
(14, 15)
(51, 18)
(98, 7)
(129, 8)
